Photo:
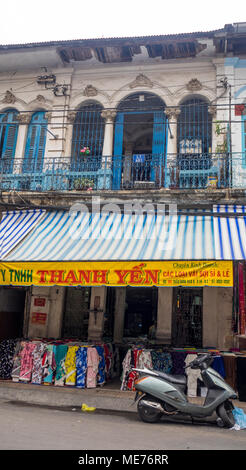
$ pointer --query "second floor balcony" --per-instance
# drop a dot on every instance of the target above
(118, 173)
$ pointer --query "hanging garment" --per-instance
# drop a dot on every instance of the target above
(218, 365)
(132, 374)
(126, 366)
(70, 365)
(27, 362)
(192, 376)
(37, 369)
(144, 359)
(49, 364)
(81, 367)
(60, 356)
(178, 361)
(15, 373)
(101, 377)
(162, 361)
(92, 367)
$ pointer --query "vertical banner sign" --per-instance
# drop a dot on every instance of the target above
(241, 289)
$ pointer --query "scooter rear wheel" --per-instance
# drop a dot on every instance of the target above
(225, 413)
(146, 413)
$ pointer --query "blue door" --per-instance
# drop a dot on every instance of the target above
(35, 143)
(8, 138)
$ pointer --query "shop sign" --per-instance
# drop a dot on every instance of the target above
(38, 318)
(118, 273)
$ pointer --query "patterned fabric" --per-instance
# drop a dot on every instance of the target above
(162, 361)
(49, 364)
(7, 352)
(126, 367)
(70, 365)
(92, 367)
(81, 367)
(60, 356)
(101, 377)
(27, 362)
(37, 369)
(15, 373)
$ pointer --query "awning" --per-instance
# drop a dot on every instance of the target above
(62, 236)
(15, 226)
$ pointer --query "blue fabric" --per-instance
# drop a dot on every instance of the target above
(218, 365)
(161, 361)
(81, 366)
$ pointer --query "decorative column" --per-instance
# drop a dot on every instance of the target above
(164, 315)
(119, 316)
(71, 115)
(105, 173)
(172, 151)
(24, 120)
(97, 311)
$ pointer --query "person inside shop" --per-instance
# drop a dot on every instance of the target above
(152, 330)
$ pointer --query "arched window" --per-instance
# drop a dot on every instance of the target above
(35, 142)
(194, 127)
(88, 131)
(8, 138)
(140, 141)
(194, 142)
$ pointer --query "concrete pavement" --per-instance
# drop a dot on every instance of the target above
(109, 397)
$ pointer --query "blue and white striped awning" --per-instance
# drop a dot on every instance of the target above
(62, 236)
(15, 226)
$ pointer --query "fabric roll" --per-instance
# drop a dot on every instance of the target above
(92, 367)
(27, 362)
(37, 369)
(70, 365)
(178, 362)
(15, 373)
(49, 364)
(81, 367)
(7, 352)
(101, 377)
(60, 356)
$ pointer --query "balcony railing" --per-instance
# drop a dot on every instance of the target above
(118, 173)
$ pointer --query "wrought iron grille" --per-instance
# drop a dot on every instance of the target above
(88, 131)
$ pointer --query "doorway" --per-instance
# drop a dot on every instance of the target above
(140, 310)
(187, 317)
(12, 308)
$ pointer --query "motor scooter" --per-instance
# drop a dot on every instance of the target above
(159, 394)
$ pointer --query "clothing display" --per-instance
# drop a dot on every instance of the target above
(169, 360)
(60, 362)
(241, 377)
(7, 352)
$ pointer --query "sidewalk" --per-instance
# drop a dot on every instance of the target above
(109, 397)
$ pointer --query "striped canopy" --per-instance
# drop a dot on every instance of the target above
(64, 236)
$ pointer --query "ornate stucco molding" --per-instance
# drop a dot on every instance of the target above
(108, 115)
(194, 85)
(141, 81)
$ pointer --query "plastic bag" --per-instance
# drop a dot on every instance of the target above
(240, 419)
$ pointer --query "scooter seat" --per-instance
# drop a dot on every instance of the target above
(175, 379)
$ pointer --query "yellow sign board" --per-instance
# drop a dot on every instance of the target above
(118, 273)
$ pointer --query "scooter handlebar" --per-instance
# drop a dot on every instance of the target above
(198, 361)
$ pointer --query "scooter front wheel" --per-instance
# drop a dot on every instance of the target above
(147, 413)
(225, 413)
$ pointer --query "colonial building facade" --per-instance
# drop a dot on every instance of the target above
(155, 120)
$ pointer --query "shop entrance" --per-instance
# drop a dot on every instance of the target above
(12, 307)
(76, 312)
(140, 310)
(187, 317)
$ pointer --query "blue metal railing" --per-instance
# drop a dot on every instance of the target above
(136, 172)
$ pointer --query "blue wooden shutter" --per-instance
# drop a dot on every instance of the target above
(8, 136)
(35, 143)
(118, 147)
(158, 144)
